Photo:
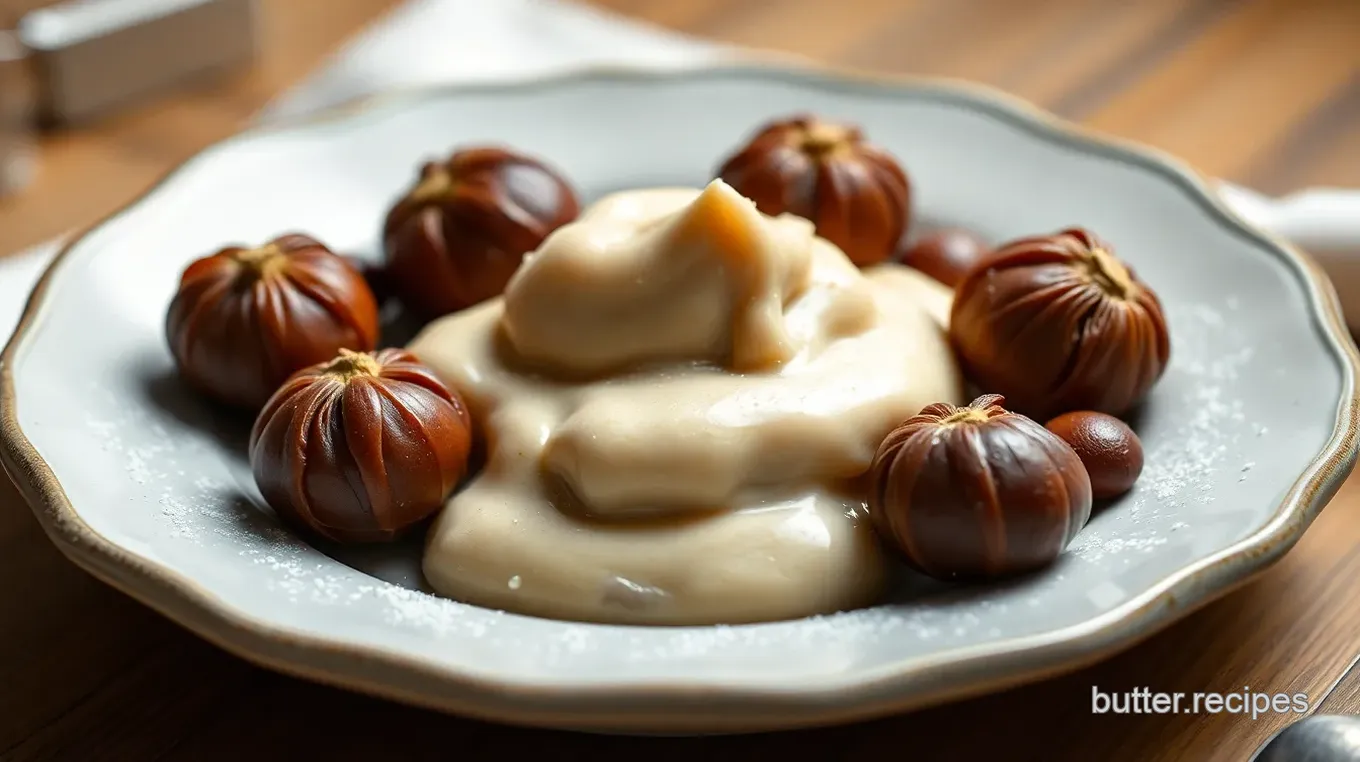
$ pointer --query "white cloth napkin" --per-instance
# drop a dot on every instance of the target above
(432, 41)
(436, 41)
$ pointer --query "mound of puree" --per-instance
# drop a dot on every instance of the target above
(677, 396)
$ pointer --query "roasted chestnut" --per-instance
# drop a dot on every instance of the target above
(1109, 449)
(946, 254)
(360, 448)
(244, 320)
(977, 492)
(1058, 323)
(853, 191)
(456, 238)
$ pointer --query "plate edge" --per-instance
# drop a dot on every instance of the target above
(892, 689)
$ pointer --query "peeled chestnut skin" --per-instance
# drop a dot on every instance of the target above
(946, 254)
(456, 238)
(244, 320)
(975, 493)
(853, 191)
(361, 448)
(1110, 450)
(1058, 323)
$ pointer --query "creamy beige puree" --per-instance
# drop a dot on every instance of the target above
(677, 394)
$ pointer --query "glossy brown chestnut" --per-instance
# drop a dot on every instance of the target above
(1109, 449)
(244, 320)
(1058, 323)
(977, 492)
(456, 238)
(853, 191)
(946, 254)
(360, 448)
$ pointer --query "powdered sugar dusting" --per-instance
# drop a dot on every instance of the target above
(205, 499)
(1137, 541)
(1186, 458)
(1185, 452)
(207, 509)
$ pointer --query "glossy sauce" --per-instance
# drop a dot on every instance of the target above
(677, 396)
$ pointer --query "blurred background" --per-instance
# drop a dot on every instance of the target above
(1263, 92)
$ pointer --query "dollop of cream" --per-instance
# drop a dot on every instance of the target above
(678, 398)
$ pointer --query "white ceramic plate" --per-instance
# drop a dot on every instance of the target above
(1251, 431)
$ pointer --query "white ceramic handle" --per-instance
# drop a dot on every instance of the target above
(1325, 222)
(1320, 220)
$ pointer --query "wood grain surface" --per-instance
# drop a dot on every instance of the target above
(1266, 92)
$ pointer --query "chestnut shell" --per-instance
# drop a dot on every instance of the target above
(853, 191)
(244, 320)
(1057, 323)
(977, 492)
(456, 238)
(361, 448)
(946, 254)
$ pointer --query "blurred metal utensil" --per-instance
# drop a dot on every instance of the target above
(1319, 738)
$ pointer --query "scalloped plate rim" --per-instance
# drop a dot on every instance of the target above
(647, 707)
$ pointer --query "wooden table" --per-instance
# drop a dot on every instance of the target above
(1266, 92)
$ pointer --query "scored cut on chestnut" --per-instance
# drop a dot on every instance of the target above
(245, 319)
(361, 448)
(458, 235)
(977, 492)
(1059, 323)
(855, 193)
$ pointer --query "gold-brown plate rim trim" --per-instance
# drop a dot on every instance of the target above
(713, 707)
